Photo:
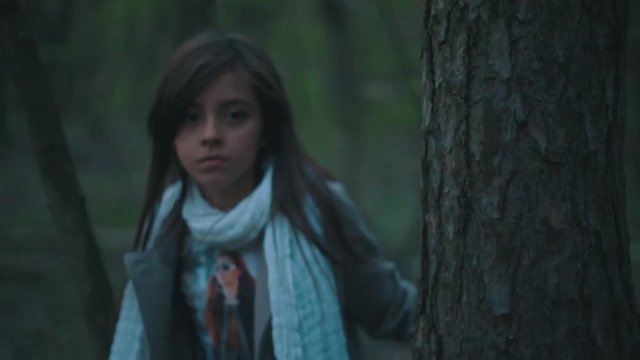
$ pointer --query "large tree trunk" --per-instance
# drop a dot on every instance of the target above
(82, 258)
(525, 248)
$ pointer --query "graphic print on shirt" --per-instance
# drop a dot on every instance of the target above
(229, 308)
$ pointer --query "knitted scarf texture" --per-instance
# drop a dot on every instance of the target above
(306, 318)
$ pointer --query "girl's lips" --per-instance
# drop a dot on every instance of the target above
(212, 161)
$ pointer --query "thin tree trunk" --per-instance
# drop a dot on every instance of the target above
(66, 202)
(51, 23)
(404, 61)
(196, 15)
(525, 249)
(344, 88)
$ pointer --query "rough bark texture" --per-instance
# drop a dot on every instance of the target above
(81, 255)
(4, 113)
(525, 248)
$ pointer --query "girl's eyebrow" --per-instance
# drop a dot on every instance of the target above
(232, 102)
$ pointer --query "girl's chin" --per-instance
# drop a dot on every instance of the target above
(223, 191)
(212, 183)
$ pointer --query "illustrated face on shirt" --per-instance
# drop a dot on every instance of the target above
(227, 273)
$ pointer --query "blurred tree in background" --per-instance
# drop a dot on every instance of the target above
(84, 268)
(105, 59)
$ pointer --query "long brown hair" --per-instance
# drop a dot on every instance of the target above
(195, 64)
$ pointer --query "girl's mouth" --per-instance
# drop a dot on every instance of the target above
(212, 161)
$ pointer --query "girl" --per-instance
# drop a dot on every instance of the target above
(229, 180)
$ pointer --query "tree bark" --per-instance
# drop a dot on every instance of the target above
(525, 248)
(65, 198)
(633, 126)
(4, 112)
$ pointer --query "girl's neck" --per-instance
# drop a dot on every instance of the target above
(227, 198)
(230, 295)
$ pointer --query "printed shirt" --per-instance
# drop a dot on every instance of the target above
(220, 289)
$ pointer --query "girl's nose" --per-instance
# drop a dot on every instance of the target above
(211, 132)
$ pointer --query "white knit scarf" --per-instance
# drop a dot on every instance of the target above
(306, 317)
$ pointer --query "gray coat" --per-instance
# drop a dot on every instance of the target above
(372, 293)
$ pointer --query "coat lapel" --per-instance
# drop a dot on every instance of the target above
(262, 310)
(152, 273)
(152, 282)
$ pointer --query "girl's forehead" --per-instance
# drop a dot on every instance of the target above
(230, 85)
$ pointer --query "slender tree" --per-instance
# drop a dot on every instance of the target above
(195, 15)
(51, 20)
(386, 13)
(525, 249)
(344, 86)
(65, 198)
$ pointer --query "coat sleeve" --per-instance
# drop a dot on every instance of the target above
(375, 295)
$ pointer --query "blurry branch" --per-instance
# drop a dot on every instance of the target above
(196, 15)
(388, 19)
(344, 89)
(66, 201)
(52, 23)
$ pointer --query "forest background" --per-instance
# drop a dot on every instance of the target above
(353, 76)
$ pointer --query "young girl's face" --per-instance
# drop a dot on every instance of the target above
(219, 141)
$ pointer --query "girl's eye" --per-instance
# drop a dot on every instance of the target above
(236, 115)
(191, 117)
